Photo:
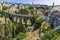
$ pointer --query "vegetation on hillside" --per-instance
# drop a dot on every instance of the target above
(18, 31)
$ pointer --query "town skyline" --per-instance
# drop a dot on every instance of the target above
(44, 2)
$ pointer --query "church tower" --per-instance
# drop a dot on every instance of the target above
(32, 4)
(53, 4)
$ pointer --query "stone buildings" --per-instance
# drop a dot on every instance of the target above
(13, 6)
(54, 18)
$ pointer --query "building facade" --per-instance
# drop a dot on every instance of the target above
(54, 18)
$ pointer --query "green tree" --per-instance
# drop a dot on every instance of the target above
(38, 22)
(33, 19)
(45, 26)
(23, 11)
(49, 35)
(21, 36)
(5, 7)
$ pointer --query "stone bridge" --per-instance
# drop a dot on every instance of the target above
(26, 19)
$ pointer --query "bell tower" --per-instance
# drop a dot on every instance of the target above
(53, 4)
(32, 4)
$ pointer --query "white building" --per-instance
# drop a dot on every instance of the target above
(21, 6)
(13, 7)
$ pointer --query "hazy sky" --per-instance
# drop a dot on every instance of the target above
(48, 2)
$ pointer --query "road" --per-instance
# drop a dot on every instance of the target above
(20, 15)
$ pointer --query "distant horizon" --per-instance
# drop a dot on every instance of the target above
(42, 2)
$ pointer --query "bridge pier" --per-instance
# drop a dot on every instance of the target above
(21, 18)
(28, 21)
(16, 19)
